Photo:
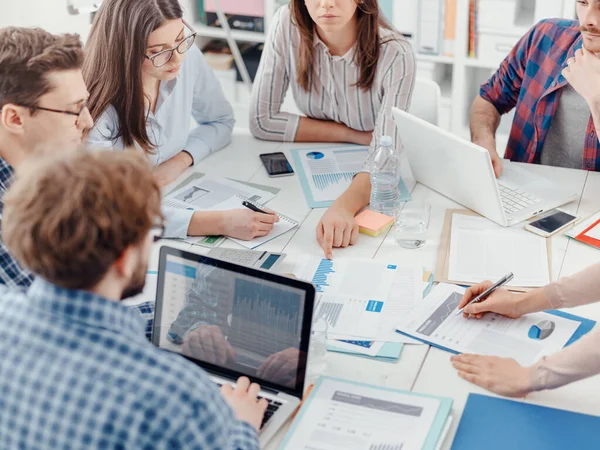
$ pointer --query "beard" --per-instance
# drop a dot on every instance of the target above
(137, 283)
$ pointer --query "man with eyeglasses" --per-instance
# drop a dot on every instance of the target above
(43, 110)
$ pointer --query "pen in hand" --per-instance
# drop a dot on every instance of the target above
(253, 207)
(489, 291)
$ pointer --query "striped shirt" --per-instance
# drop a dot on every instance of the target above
(334, 95)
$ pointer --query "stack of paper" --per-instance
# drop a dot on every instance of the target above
(362, 300)
(474, 249)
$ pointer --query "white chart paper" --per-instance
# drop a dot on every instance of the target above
(348, 416)
(526, 339)
(482, 250)
(362, 299)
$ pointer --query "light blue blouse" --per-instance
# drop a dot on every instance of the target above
(195, 93)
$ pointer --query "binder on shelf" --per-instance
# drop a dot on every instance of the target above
(430, 27)
(450, 28)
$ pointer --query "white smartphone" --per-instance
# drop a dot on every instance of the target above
(551, 223)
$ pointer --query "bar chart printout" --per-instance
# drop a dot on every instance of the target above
(345, 415)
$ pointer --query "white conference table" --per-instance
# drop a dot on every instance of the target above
(420, 368)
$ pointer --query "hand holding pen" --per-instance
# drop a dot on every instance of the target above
(488, 297)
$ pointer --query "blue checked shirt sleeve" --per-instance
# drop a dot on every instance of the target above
(503, 89)
(215, 429)
(146, 310)
(12, 274)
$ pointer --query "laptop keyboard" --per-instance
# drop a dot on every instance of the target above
(514, 200)
(272, 408)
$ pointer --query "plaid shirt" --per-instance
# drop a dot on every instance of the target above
(13, 275)
(530, 79)
(77, 372)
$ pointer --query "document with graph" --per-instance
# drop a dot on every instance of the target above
(326, 172)
(341, 414)
(362, 299)
(527, 339)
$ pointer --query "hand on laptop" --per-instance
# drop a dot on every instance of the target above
(246, 224)
(243, 401)
(207, 343)
(337, 228)
(503, 376)
(280, 366)
(490, 146)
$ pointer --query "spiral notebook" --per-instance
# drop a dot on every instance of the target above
(284, 225)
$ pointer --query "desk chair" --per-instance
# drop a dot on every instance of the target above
(426, 100)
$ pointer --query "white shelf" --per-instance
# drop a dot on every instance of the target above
(435, 58)
(219, 33)
(482, 64)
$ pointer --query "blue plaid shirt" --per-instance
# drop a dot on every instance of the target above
(12, 274)
(78, 373)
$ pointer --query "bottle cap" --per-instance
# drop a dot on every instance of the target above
(385, 141)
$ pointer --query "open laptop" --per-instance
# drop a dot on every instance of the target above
(231, 320)
(463, 172)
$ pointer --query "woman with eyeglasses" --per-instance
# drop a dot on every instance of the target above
(147, 80)
(346, 67)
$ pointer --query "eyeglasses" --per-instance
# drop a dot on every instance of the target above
(161, 58)
(61, 111)
(157, 232)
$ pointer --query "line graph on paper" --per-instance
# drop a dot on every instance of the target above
(437, 318)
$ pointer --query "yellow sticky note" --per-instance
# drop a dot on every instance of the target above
(373, 223)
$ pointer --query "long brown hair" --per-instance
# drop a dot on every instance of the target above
(114, 54)
(368, 41)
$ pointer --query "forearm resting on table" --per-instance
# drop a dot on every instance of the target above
(484, 120)
(312, 130)
(206, 223)
(357, 196)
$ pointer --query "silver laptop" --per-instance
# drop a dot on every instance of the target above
(237, 321)
(462, 171)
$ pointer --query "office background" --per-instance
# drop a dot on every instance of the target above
(459, 43)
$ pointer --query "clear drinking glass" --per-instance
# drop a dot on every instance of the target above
(412, 222)
(317, 351)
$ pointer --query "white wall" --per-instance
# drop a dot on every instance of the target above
(52, 15)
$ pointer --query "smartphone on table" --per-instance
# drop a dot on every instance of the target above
(551, 223)
(276, 164)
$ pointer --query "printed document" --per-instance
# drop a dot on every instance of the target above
(326, 172)
(527, 339)
(482, 250)
(344, 415)
(362, 299)
(206, 193)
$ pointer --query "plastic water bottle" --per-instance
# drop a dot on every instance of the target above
(385, 176)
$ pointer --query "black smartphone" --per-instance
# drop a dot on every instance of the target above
(276, 164)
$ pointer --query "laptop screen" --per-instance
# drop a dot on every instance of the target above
(226, 317)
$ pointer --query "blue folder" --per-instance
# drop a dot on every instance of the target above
(498, 424)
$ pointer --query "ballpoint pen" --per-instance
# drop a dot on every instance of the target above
(485, 294)
(253, 207)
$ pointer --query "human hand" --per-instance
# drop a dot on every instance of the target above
(337, 228)
(490, 146)
(500, 302)
(246, 224)
(243, 401)
(207, 343)
(583, 74)
(503, 376)
(170, 170)
(281, 365)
